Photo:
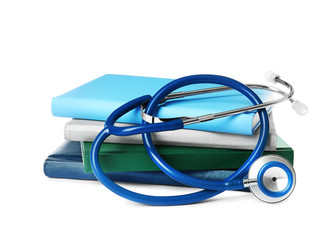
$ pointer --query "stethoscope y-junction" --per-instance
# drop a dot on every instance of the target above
(271, 178)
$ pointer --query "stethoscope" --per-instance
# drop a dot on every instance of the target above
(271, 178)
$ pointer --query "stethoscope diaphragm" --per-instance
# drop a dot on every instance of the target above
(271, 178)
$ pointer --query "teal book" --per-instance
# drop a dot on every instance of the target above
(125, 157)
(95, 100)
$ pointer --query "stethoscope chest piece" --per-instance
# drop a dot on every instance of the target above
(271, 178)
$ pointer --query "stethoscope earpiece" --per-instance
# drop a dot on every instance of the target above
(299, 107)
(271, 76)
(271, 178)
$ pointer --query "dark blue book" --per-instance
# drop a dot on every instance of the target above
(66, 162)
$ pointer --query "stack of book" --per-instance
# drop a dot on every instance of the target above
(210, 150)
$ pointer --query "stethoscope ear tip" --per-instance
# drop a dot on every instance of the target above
(300, 108)
(271, 76)
(272, 178)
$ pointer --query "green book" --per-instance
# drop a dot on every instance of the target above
(116, 157)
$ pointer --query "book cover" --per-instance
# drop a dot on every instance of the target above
(66, 162)
(116, 157)
(95, 100)
(87, 130)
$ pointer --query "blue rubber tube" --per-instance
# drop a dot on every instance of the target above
(152, 107)
(235, 181)
(138, 129)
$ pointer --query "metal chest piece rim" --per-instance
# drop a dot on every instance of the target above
(271, 178)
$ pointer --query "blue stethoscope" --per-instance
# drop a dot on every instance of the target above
(271, 178)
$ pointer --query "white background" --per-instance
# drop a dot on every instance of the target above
(50, 47)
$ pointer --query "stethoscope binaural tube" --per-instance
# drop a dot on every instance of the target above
(299, 107)
(212, 188)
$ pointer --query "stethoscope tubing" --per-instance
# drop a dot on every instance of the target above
(153, 106)
(212, 188)
(130, 195)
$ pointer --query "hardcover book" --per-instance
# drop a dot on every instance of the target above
(87, 130)
(95, 100)
(66, 162)
(116, 157)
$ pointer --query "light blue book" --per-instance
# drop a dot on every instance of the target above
(96, 99)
